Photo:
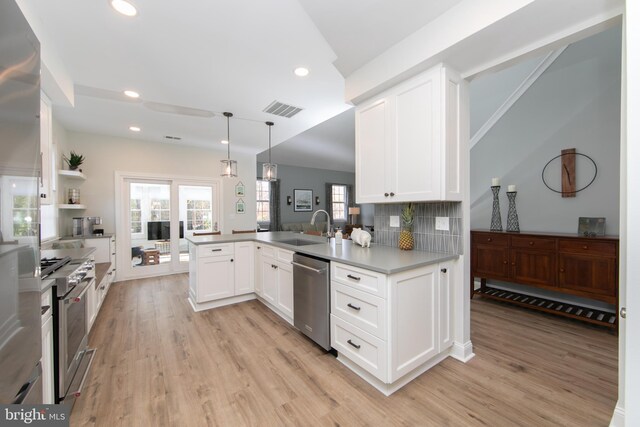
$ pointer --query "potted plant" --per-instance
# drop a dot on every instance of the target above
(74, 160)
(405, 241)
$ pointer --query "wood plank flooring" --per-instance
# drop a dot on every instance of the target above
(160, 364)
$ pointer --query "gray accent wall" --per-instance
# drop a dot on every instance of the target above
(294, 177)
(574, 104)
(426, 237)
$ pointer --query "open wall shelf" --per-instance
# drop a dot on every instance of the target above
(72, 174)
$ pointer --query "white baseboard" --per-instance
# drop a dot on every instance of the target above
(617, 420)
(219, 303)
(462, 351)
(275, 310)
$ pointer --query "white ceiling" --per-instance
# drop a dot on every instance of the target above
(217, 56)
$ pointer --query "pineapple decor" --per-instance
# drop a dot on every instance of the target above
(405, 242)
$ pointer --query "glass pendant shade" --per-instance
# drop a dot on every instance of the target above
(269, 172)
(229, 167)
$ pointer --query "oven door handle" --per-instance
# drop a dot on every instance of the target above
(77, 294)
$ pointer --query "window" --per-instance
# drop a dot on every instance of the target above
(339, 202)
(25, 216)
(136, 216)
(160, 210)
(198, 214)
(262, 198)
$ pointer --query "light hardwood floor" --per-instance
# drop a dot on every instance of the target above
(160, 364)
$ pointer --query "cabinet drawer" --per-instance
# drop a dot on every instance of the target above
(285, 255)
(205, 251)
(267, 251)
(363, 349)
(361, 309)
(538, 243)
(359, 278)
(490, 239)
(591, 247)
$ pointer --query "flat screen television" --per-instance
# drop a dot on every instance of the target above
(161, 230)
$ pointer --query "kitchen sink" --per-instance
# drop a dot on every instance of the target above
(298, 242)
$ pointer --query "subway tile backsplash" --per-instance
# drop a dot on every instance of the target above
(426, 237)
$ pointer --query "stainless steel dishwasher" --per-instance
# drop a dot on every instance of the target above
(311, 298)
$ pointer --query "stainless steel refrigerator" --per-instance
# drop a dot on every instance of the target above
(20, 322)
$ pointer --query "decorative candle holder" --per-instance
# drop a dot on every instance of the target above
(512, 215)
(496, 219)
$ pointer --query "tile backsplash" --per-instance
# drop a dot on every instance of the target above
(426, 237)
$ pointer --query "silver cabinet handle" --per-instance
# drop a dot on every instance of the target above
(315, 270)
(357, 346)
(623, 312)
(353, 306)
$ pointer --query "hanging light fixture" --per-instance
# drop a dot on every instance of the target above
(229, 167)
(269, 170)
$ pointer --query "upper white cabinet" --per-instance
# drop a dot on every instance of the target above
(408, 141)
(46, 141)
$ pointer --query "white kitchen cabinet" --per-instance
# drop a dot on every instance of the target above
(391, 328)
(93, 302)
(47, 349)
(243, 265)
(257, 269)
(215, 278)
(277, 279)
(269, 271)
(46, 141)
(285, 288)
(407, 141)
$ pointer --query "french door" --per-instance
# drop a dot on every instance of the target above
(156, 215)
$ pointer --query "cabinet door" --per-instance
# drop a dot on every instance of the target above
(46, 197)
(243, 265)
(446, 287)
(257, 280)
(215, 278)
(372, 133)
(533, 267)
(588, 274)
(490, 255)
(269, 280)
(416, 139)
(453, 122)
(414, 319)
(285, 288)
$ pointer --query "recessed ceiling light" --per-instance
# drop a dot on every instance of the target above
(134, 128)
(132, 94)
(301, 72)
(124, 7)
(224, 141)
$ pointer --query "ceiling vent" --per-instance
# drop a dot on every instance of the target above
(282, 110)
(172, 138)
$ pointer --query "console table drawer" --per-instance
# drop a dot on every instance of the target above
(490, 239)
(590, 247)
(537, 243)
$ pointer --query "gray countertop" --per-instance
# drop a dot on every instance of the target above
(92, 236)
(74, 254)
(383, 259)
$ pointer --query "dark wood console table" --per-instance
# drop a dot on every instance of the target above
(565, 263)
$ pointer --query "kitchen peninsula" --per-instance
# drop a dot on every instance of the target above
(392, 311)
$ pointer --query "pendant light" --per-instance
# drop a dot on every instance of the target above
(229, 167)
(269, 170)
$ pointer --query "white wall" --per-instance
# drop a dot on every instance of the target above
(106, 154)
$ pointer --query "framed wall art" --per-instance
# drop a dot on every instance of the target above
(302, 200)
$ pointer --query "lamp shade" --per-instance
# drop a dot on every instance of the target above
(269, 172)
(229, 167)
(354, 211)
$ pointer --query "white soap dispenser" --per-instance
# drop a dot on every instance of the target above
(338, 237)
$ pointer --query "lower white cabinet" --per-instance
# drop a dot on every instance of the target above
(47, 349)
(391, 328)
(257, 269)
(220, 274)
(276, 279)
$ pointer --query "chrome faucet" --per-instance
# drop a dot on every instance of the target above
(313, 220)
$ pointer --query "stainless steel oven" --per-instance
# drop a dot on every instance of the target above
(72, 358)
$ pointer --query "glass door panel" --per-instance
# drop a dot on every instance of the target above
(150, 224)
(196, 212)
